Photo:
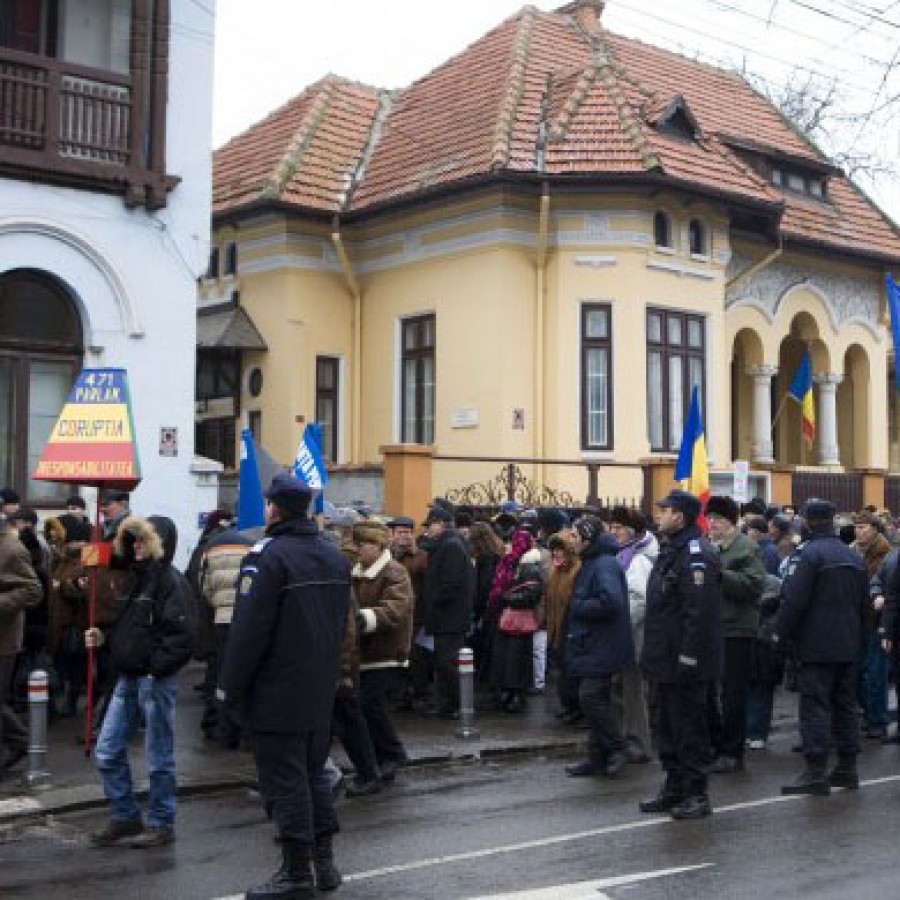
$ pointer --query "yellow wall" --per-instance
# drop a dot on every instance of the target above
(473, 263)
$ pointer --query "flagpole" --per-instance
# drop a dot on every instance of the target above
(779, 411)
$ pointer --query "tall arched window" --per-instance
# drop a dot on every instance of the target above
(41, 347)
(662, 230)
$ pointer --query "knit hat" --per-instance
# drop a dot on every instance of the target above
(587, 528)
(724, 506)
(369, 532)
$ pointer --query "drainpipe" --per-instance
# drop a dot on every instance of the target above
(765, 262)
(540, 315)
(356, 329)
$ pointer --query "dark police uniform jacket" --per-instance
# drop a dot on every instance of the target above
(823, 598)
(682, 624)
(283, 651)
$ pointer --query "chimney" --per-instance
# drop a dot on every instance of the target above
(588, 14)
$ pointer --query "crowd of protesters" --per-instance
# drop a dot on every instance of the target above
(662, 637)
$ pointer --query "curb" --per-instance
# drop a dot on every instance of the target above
(58, 801)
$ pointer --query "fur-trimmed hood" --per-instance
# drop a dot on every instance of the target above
(135, 527)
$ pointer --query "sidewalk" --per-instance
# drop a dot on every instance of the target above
(204, 767)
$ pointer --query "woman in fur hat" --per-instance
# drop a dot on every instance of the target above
(638, 550)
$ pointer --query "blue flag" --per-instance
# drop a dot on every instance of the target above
(309, 466)
(893, 303)
(250, 496)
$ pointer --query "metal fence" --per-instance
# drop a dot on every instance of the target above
(844, 490)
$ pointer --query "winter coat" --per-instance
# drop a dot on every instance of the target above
(770, 556)
(155, 630)
(639, 566)
(598, 639)
(887, 584)
(385, 597)
(220, 566)
(743, 582)
(485, 569)
(449, 585)
(823, 598)
(282, 659)
(682, 626)
(768, 659)
(415, 562)
(20, 589)
(873, 556)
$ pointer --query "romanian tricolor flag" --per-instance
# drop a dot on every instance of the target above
(692, 468)
(801, 390)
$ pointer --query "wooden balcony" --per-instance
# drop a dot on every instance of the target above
(68, 124)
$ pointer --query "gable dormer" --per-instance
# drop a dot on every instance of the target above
(673, 117)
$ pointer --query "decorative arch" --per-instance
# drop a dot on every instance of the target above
(854, 408)
(47, 246)
(747, 360)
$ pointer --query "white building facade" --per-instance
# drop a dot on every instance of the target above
(105, 170)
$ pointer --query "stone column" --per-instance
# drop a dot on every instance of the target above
(826, 418)
(763, 450)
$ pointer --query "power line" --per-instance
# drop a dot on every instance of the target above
(771, 23)
(719, 39)
(830, 15)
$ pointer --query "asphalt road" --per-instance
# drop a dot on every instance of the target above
(511, 829)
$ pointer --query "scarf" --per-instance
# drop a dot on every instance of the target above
(505, 575)
(629, 551)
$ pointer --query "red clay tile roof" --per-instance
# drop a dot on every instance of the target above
(542, 95)
(304, 153)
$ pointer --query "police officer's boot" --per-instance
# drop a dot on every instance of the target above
(695, 804)
(670, 794)
(328, 878)
(293, 881)
(844, 774)
(812, 781)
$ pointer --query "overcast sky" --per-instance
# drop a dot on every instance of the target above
(268, 50)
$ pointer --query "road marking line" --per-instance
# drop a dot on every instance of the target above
(589, 890)
(568, 838)
(19, 805)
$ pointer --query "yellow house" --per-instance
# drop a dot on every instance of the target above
(533, 254)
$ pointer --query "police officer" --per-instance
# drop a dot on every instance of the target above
(280, 675)
(823, 598)
(682, 639)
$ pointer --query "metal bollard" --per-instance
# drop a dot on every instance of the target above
(465, 662)
(38, 698)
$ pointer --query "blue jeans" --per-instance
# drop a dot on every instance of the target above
(155, 698)
(873, 681)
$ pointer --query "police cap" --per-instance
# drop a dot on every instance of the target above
(681, 501)
(290, 494)
(816, 510)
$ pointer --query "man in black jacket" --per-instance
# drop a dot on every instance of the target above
(150, 641)
(823, 598)
(449, 594)
(280, 676)
(682, 654)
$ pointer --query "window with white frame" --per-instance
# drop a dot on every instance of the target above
(596, 376)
